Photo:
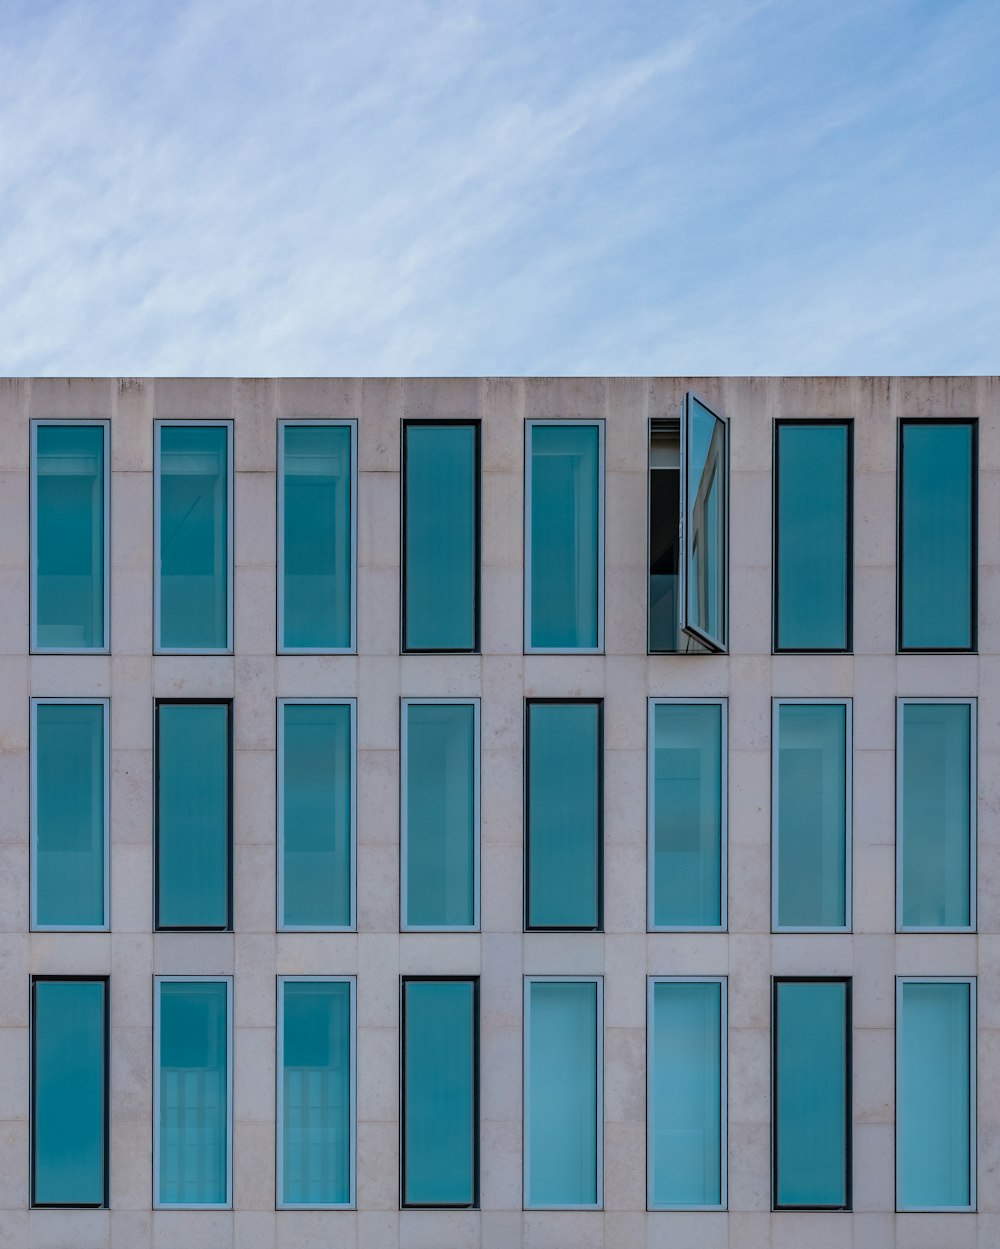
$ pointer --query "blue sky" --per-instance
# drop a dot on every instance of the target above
(508, 186)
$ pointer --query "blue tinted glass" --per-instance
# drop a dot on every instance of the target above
(706, 504)
(439, 1113)
(441, 539)
(316, 537)
(565, 490)
(937, 538)
(69, 537)
(814, 560)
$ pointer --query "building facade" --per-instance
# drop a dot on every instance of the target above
(483, 813)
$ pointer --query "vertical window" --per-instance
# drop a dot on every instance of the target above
(812, 1094)
(564, 822)
(813, 465)
(687, 813)
(69, 1091)
(936, 560)
(317, 524)
(687, 1094)
(811, 814)
(316, 813)
(316, 1092)
(664, 534)
(70, 490)
(563, 1093)
(564, 536)
(69, 813)
(935, 1094)
(193, 1092)
(440, 834)
(193, 511)
(193, 814)
(441, 536)
(440, 1119)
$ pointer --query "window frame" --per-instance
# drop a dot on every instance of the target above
(709, 644)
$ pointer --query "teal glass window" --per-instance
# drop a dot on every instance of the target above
(193, 521)
(70, 489)
(317, 520)
(813, 466)
(936, 814)
(69, 1092)
(440, 834)
(687, 1094)
(441, 536)
(937, 535)
(564, 527)
(935, 1094)
(316, 821)
(705, 524)
(440, 1119)
(812, 1094)
(564, 824)
(193, 815)
(69, 813)
(811, 812)
(192, 1092)
(316, 1091)
(563, 1093)
(687, 816)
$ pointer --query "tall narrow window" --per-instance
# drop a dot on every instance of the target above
(687, 813)
(440, 1119)
(193, 814)
(664, 534)
(936, 814)
(813, 465)
(936, 560)
(70, 489)
(440, 834)
(316, 1092)
(193, 510)
(564, 823)
(935, 1094)
(563, 1093)
(687, 1094)
(564, 536)
(811, 814)
(69, 813)
(441, 536)
(69, 1091)
(317, 511)
(812, 1094)
(192, 1092)
(316, 814)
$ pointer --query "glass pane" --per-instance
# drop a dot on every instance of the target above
(440, 1093)
(194, 1110)
(936, 813)
(316, 1093)
(316, 534)
(69, 814)
(813, 539)
(69, 537)
(705, 504)
(192, 834)
(564, 817)
(685, 1103)
(440, 815)
(565, 536)
(441, 537)
(664, 537)
(687, 815)
(811, 1093)
(69, 1092)
(937, 536)
(811, 813)
(561, 1111)
(934, 1096)
(194, 541)
(317, 868)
